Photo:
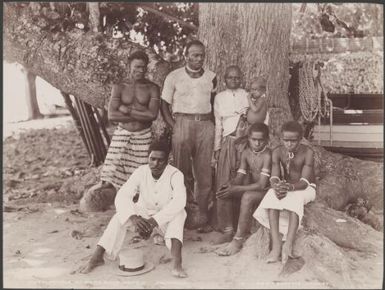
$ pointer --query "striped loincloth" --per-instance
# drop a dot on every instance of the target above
(127, 151)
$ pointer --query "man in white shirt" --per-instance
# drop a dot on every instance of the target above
(162, 198)
(188, 94)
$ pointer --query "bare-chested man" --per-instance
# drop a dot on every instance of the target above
(256, 163)
(134, 104)
(293, 186)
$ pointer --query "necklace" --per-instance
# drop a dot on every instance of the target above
(193, 70)
(254, 159)
(258, 152)
(290, 156)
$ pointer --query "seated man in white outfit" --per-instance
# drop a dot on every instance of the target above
(162, 198)
(292, 181)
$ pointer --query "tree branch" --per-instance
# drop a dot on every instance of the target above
(164, 15)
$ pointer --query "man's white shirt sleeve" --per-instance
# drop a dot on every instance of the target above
(124, 203)
(168, 88)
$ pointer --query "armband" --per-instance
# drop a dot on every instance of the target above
(155, 99)
(265, 170)
(266, 174)
(274, 177)
(241, 171)
(313, 185)
(304, 179)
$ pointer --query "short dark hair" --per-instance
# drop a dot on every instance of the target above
(292, 126)
(160, 145)
(139, 54)
(259, 127)
(232, 67)
(260, 81)
(191, 43)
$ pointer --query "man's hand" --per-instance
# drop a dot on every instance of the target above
(125, 109)
(226, 191)
(281, 188)
(215, 157)
(242, 111)
(216, 154)
(142, 226)
(152, 222)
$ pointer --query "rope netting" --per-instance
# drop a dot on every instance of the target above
(312, 98)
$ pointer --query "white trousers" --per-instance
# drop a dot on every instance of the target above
(115, 233)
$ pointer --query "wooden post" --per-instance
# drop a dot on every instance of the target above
(75, 117)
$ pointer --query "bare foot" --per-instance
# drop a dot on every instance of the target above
(179, 272)
(234, 247)
(223, 238)
(287, 251)
(273, 256)
(205, 229)
(92, 264)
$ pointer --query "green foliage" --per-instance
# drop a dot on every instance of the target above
(325, 20)
(158, 30)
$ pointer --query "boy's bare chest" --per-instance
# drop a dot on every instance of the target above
(292, 162)
(255, 162)
(135, 93)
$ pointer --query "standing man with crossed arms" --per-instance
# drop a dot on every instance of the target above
(188, 94)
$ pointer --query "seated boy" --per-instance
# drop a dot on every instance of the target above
(255, 162)
(282, 208)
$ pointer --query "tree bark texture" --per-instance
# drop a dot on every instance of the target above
(254, 36)
(83, 64)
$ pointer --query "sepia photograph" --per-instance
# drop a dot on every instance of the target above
(193, 145)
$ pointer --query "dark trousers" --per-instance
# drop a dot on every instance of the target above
(192, 146)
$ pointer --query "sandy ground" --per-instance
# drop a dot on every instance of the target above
(40, 252)
(41, 247)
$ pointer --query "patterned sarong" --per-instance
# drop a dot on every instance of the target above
(228, 161)
(127, 151)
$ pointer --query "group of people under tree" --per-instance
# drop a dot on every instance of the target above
(227, 130)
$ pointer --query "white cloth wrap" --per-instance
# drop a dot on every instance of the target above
(294, 202)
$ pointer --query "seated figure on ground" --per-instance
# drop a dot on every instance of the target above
(161, 202)
(292, 182)
(256, 164)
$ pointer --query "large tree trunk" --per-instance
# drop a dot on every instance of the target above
(256, 38)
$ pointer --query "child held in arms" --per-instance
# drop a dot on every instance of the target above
(257, 111)
(292, 186)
